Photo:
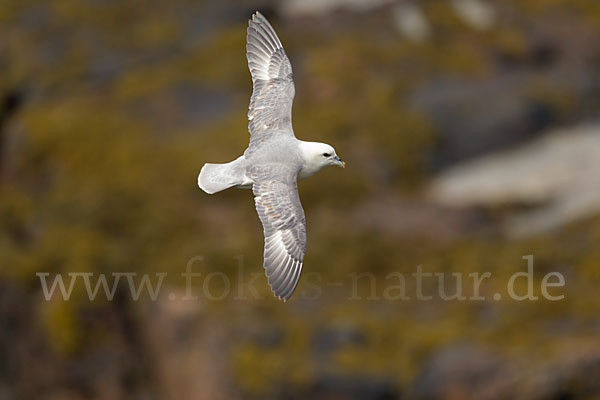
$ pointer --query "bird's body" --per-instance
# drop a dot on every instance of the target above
(274, 160)
(289, 150)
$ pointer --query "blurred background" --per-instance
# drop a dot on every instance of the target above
(471, 133)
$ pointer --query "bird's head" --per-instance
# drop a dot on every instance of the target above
(318, 155)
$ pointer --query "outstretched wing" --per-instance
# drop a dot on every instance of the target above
(272, 81)
(280, 211)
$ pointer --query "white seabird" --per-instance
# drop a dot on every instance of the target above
(274, 160)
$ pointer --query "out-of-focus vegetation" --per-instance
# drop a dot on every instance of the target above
(111, 107)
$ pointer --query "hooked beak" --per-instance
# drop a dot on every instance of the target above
(339, 162)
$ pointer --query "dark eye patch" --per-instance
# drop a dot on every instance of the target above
(326, 154)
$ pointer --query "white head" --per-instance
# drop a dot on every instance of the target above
(316, 156)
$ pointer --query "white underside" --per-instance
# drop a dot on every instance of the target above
(247, 184)
(216, 177)
(303, 174)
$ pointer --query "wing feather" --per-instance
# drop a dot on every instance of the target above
(280, 211)
(273, 85)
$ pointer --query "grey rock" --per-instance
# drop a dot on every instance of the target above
(556, 176)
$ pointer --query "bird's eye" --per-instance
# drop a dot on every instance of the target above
(326, 154)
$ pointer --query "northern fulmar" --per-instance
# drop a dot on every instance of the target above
(274, 160)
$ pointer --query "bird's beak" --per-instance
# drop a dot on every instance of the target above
(340, 162)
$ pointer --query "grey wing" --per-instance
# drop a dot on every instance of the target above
(273, 85)
(280, 211)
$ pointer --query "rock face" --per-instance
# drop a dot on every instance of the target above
(556, 177)
(410, 20)
(108, 108)
(322, 7)
(463, 372)
(474, 117)
(477, 14)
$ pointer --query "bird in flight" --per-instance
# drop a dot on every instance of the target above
(274, 160)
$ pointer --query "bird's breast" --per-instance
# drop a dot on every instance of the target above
(307, 171)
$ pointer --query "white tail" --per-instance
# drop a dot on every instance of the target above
(216, 177)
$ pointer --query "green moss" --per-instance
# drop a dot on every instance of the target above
(62, 327)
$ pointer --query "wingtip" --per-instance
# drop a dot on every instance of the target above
(280, 296)
(256, 17)
(254, 22)
(260, 22)
(283, 296)
(284, 285)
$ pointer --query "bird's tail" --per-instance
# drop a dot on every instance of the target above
(216, 177)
